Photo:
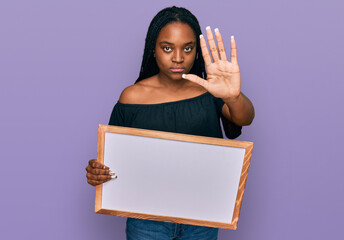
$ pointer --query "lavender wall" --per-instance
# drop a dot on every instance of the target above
(64, 63)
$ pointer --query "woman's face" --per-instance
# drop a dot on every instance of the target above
(175, 50)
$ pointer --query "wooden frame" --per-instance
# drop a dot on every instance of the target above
(231, 224)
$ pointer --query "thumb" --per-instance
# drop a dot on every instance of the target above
(196, 79)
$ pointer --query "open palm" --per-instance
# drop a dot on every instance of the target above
(223, 77)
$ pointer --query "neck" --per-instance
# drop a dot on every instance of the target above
(170, 84)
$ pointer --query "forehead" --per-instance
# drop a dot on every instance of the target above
(176, 32)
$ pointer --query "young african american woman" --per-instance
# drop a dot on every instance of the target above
(183, 88)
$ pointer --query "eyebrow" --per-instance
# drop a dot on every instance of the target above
(192, 42)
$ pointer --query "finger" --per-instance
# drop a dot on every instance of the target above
(212, 45)
(205, 52)
(99, 171)
(95, 182)
(95, 164)
(92, 182)
(196, 79)
(98, 177)
(234, 58)
(91, 161)
(220, 44)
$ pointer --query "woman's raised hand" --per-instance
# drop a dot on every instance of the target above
(98, 173)
(223, 77)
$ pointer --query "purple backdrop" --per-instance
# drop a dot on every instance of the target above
(64, 63)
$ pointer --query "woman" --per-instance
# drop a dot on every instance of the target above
(174, 93)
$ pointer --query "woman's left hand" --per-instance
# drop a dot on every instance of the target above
(223, 77)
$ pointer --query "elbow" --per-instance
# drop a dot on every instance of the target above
(249, 119)
(244, 122)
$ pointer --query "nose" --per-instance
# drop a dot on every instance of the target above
(178, 56)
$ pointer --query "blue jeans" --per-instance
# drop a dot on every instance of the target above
(140, 229)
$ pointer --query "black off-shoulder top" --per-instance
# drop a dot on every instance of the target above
(196, 116)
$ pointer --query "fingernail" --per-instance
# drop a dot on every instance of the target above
(201, 36)
(114, 176)
(232, 37)
(183, 76)
(208, 27)
(216, 29)
(111, 173)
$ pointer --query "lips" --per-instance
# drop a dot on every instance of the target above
(177, 70)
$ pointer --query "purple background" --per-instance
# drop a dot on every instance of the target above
(64, 63)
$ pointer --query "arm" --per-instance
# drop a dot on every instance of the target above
(239, 111)
(224, 80)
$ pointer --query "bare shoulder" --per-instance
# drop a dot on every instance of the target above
(136, 93)
(130, 95)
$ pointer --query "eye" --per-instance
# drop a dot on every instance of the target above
(188, 49)
(167, 49)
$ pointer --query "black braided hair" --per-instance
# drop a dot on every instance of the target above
(165, 16)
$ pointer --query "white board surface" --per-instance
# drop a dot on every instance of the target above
(171, 178)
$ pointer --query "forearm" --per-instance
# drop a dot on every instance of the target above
(241, 110)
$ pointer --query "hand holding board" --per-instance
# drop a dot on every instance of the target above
(172, 177)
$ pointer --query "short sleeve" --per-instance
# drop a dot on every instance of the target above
(117, 116)
(231, 129)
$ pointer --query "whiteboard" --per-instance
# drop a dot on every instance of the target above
(171, 177)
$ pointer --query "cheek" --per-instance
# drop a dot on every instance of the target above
(161, 61)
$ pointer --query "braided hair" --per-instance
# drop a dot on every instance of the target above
(168, 15)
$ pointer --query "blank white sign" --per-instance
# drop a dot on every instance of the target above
(172, 178)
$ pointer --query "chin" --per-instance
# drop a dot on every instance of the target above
(177, 77)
